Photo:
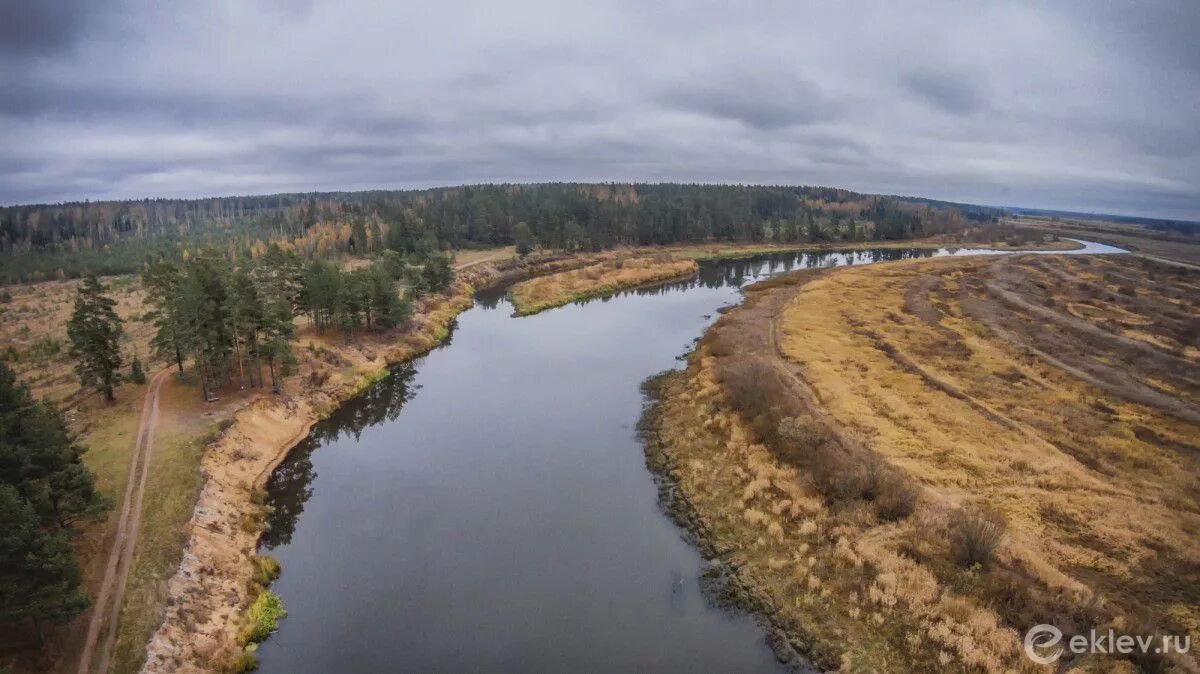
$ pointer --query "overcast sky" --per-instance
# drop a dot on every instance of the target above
(1083, 105)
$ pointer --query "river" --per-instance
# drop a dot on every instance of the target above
(488, 506)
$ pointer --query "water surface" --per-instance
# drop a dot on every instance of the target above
(488, 507)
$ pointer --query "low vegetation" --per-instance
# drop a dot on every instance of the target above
(913, 463)
(601, 278)
(262, 618)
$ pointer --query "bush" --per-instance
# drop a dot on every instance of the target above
(246, 661)
(897, 497)
(262, 618)
(136, 374)
(843, 479)
(974, 537)
(266, 569)
(753, 389)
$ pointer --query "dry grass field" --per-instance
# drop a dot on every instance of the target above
(916, 462)
(1158, 244)
(601, 278)
(33, 333)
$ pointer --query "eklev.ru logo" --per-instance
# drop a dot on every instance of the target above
(1044, 644)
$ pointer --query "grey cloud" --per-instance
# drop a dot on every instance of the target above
(954, 94)
(40, 27)
(760, 101)
(1076, 105)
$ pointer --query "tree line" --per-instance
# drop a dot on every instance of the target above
(72, 240)
(235, 320)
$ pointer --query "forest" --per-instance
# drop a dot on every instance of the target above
(234, 319)
(71, 240)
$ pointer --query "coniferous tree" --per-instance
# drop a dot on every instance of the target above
(209, 309)
(437, 273)
(39, 458)
(39, 577)
(278, 280)
(137, 375)
(523, 238)
(95, 331)
(161, 281)
(390, 310)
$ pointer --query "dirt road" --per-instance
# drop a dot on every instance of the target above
(116, 572)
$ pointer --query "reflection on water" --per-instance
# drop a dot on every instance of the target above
(488, 507)
(291, 483)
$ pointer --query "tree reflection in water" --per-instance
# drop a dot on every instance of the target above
(290, 485)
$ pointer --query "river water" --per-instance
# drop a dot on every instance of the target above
(488, 507)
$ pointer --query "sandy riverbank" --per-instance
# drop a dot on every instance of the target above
(214, 583)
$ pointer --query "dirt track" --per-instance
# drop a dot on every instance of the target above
(107, 608)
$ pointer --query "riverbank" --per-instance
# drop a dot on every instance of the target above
(716, 251)
(622, 269)
(602, 278)
(930, 392)
(216, 580)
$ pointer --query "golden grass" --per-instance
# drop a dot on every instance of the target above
(1101, 517)
(185, 426)
(474, 256)
(602, 278)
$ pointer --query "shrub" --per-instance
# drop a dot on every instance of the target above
(136, 374)
(843, 479)
(262, 618)
(266, 569)
(318, 377)
(974, 537)
(754, 390)
(804, 431)
(246, 661)
(897, 497)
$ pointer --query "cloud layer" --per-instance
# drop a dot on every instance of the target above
(1080, 105)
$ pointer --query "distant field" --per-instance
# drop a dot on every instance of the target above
(851, 436)
(1166, 245)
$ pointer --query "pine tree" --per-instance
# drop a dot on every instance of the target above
(208, 318)
(437, 273)
(390, 310)
(39, 577)
(39, 459)
(279, 284)
(136, 374)
(523, 238)
(161, 281)
(95, 331)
